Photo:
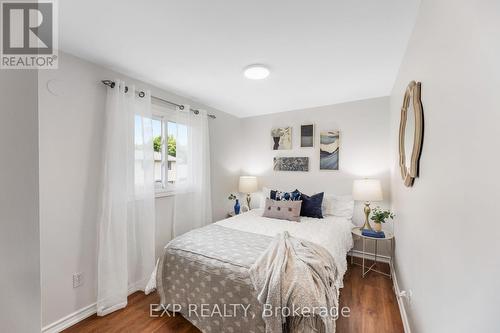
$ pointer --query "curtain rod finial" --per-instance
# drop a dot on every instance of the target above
(109, 83)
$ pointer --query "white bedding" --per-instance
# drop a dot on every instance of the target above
(331, 232)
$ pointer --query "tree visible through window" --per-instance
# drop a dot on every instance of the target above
(164, 152)
(171, 145)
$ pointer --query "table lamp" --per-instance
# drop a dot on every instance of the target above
(367, 190)
(248, 184)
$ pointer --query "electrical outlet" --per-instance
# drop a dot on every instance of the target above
(77, 280)
(406, 294)
(409, 296)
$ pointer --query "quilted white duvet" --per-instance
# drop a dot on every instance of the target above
(331, 232)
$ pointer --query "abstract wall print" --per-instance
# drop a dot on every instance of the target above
(282, 138)
(329, 150)
(306, 136)
(291, 164)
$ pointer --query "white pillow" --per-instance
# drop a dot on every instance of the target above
(338, 205)
(266, 193)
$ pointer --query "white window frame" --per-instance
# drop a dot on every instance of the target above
(165, 115)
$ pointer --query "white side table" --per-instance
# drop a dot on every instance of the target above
(389, 236)
(243, 209)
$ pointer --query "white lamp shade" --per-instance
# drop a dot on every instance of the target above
(367, 190)
(248, 184)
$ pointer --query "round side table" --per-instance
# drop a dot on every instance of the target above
(389, 236)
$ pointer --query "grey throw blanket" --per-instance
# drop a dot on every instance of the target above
(296, 274)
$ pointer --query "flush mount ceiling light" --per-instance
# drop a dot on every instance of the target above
(256, 72)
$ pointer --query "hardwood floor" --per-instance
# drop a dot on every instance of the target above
(371, 300)
(373, 304)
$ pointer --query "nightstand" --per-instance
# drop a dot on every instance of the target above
(231, 213)
(389, 237)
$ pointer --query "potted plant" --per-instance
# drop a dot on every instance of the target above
(236, 205)
(379, 216)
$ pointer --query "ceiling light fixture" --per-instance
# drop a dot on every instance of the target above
(256, 72)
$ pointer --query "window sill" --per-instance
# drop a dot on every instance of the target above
(163, 194)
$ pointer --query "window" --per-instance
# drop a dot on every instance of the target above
(158, 152)
(165, 135)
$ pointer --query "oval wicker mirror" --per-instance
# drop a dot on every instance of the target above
(411, 133)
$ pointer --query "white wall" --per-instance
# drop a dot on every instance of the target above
(364, 148)
(19, 213)
(70, 162)
(447, 226)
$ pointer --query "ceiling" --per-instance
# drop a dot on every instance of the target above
(319, 52)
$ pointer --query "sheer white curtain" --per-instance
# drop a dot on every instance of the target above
(127, 222)
(193, 203)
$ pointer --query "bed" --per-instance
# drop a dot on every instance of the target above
(205, 272)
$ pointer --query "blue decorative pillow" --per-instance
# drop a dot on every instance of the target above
(311, 205)
(285, 196)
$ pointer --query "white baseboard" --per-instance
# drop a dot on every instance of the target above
(401, 302)
(76, 317)
(370, 256)
(70, 319)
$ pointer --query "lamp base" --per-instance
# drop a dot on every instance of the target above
(249, 198)
(367, 210)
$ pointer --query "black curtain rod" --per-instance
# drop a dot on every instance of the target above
(141, 94)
